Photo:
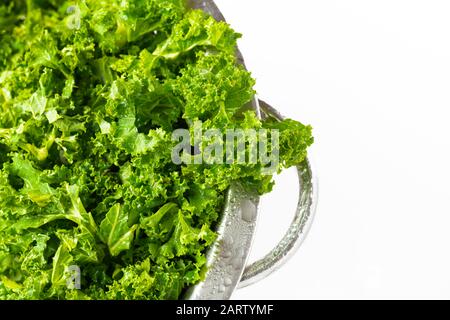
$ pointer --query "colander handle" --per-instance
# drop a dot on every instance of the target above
(300, 226)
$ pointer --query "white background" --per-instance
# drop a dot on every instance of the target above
(373, 78)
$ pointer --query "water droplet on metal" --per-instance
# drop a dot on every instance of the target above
(227, 282)
(248, 211)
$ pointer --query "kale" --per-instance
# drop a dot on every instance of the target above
(90, 93)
